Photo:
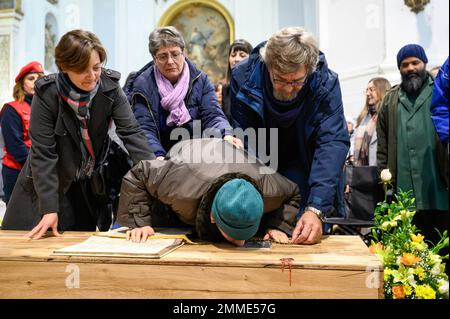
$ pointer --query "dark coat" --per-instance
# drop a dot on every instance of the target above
(201, 102)
(188, 186)
(439, 103)
(321, 127)
(55, 154)
(387, 139)
(226, 101)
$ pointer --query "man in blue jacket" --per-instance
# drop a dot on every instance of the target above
(286, 84)
(439, 103)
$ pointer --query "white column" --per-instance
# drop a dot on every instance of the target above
(9, 29)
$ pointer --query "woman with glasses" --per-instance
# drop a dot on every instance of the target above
(71, 114)
(171, 92)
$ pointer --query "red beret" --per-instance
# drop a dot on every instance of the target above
(32, 67)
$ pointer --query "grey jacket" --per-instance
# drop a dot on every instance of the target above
(187, 180)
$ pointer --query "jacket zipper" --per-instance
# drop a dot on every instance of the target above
(188, 95)
(151, 113)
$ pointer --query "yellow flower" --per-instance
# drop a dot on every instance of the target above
(393, 224)
(419, 246)
(420, 272)
(410, 213)
(408, 259)
(398, 292)
(408, 290)
(387, 273)
(374, 248)
(417, 238)
(434, 259)
(385, 225)
(403, 215)
(425, 292)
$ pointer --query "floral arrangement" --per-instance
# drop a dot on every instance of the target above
(412, 267)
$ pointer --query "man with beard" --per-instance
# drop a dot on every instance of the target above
(286, 85)
(409, 146)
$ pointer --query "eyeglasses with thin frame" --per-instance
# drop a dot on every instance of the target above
(286, 83)
(164, 57)
(369, 89)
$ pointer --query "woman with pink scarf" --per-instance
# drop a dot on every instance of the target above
(170, 93)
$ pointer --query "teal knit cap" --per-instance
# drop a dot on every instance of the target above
(237, 209)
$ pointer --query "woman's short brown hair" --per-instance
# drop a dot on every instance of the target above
(73, 51)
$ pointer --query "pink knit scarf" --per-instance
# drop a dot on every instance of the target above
(172, 97)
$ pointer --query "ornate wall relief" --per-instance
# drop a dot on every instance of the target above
(50, 42)
(416, 5)
(4, 67)
(208, 30)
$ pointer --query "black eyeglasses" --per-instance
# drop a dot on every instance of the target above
(291, 83)
(286, 83)
(163, 58)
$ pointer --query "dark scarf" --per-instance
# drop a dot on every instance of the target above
(29, 99)
(80, 102)
(281, 114)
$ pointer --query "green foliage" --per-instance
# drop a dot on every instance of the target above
(412, 267)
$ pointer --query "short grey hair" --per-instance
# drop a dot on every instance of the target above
(289, 48)
(165, 36)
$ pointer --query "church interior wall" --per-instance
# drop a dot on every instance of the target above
(359, 38)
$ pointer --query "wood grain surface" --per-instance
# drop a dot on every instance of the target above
(337, 267)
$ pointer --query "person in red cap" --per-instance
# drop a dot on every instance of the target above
(15, 120)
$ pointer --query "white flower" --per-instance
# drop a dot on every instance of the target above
(443, 287)
(393, 224)
(386, 176)
(436, 270)
(385, 225)
(435, 259)
(412, 281)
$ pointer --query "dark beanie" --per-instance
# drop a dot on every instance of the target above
(411, 50)
(237, 209)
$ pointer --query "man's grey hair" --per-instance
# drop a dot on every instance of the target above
(289, 48)
(165, 36)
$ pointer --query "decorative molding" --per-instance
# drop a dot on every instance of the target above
(50, 44)
(11, 6)
(208, 30)
(5, 57)
(180, 6)
(416, 6)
